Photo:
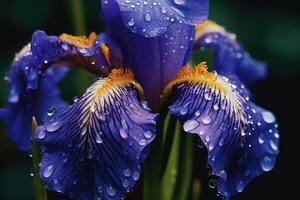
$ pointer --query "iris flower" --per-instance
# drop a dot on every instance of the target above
(93, 148)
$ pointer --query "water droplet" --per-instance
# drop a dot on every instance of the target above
(31, 174)
(142, 142)
(183, 110)
(111, 191)
(212, 183)
(261, 139)
(208, 96)
(208, 39)
(276, 135)
(267, 163)
(124, 124)
(45, 62)
(221, 142)
(163, 10)
(136, 176)
(200, 144)
(207, 138)
(240, 186)
(148, 134)
(206, 120)
(247, 172)
(197, 113)
(253, 110)
(273, 145)
(268, 117)
(48, 171)
(211, 147)
(41, 134)
(179, 2)
(98, 138)
(53, 126)
(125, 183)
(127, 172)
(51, 111)
(190, 125)
(131, 22)
(216, 107)
(123, 133)
(75, 99)
(65, 47)
(258, 124)
(148, 17)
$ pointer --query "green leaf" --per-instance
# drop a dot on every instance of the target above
(39, 188)
(185, 169)
(169, 179)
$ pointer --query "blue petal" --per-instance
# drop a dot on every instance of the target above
(151, 18)
(36, 71)
(93, 148)
(241, 138)
(31, 93)
(154, 60)
(229, 56)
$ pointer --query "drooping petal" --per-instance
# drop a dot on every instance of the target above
(36, 71)
(241, 138)
(31, 93)
(154, 60)
(229, 56)
(151, 18)
(93, 148)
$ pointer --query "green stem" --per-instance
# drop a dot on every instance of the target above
(39, 188)
(78, 19)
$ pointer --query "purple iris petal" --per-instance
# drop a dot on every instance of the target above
(151, 18)
(231, 58)
(93, 148)
(31, 93)
(154, 60)
(241, 138)
(36, 71)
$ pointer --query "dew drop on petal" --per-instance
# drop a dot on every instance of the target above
(190, 125)
(135, 176)
(125, 183)
(208, 96)
(41, 134)
(142, 142)
(206, 120)
(98, 139)
(148, 17)
(75, 99)
(212, 183)
(267, 163)
(51, 111)
(216, 107)
(268, 117)
(273, 145)
(111, 191)
(127, 172)
(261, 139)
(240, 186)
(148, 134)
(48, 171)
(131, 22)
(123, 133)
(53, 126)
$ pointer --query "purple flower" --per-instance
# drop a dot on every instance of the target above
(94, 147)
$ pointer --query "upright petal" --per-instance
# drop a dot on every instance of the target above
(151, 18)
(241, 138)
(154, 60)
(93, 148)
(229, 56)
(36, 71)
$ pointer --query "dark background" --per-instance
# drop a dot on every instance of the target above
(269, 29)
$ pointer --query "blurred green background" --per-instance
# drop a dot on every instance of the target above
(269, 29)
